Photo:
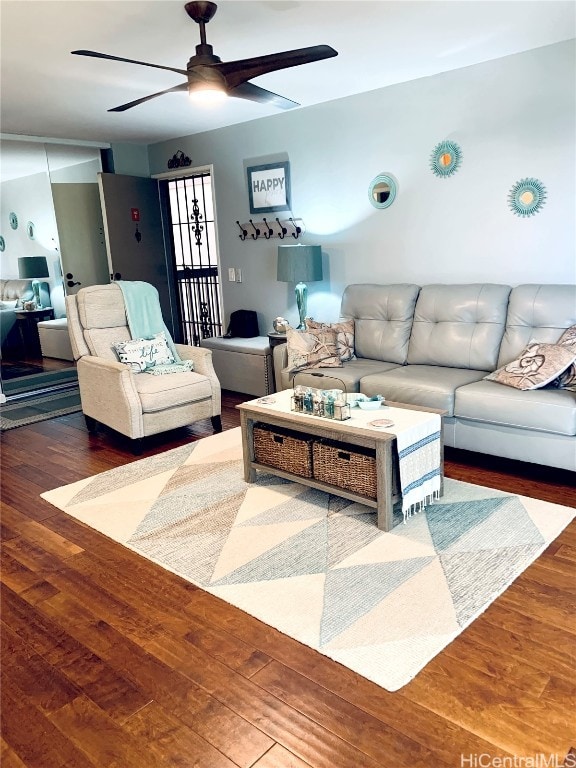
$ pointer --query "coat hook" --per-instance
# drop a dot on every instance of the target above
(283, 230)
(268, 234)
(256, 230)
(295, 234)
(244, 234)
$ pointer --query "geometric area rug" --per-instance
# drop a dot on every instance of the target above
(313, 565)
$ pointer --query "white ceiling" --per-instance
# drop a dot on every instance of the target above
(48, 92)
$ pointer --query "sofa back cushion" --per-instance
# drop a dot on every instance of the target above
(11, 290)
(459, 326)
(536, 313)
(382, 319)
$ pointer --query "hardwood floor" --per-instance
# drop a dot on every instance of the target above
(110, 661)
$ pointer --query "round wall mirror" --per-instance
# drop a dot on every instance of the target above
(527, 197)
(382, 191)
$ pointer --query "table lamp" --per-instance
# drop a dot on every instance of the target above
(33, 268)
(300, 264)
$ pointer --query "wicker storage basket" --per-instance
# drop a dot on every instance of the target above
(283, 449)
(348, 466)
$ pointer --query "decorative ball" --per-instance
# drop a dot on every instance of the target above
(280, 325)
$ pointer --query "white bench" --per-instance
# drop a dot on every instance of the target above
(242, 365)
(55, 339)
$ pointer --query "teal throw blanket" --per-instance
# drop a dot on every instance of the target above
(145, 316)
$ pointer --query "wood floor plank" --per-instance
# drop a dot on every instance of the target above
(172, 743)
(296, 732)
(32, 737)
(503, 715)
(9, 758)
(114, 662)
(526, 639)
(279, 757)
(99, 737)
(418, 722)
(232, 735)
(347, 721)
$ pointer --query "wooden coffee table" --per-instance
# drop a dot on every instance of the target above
(355, 431)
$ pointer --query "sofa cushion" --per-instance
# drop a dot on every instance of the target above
(427, 385)
(382, 319)
(157, 393)
(536, 366)
(314, 348)
(547, 410)
(349, 375)
(459, 326)
(536, 313)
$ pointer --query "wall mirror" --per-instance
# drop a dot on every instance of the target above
(44, 185)
(382, 191)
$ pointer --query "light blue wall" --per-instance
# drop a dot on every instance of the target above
(131, 159)
(513, 118)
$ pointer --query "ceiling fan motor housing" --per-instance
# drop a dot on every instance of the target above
(201, 11)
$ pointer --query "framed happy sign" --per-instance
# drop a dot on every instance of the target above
(269, 187)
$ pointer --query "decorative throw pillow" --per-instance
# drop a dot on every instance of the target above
(536, 366)
(314, 348)
(140, 354)
(344, 335)
(567, 379)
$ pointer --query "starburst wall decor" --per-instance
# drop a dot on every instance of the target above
(527, 197)
(445, 158)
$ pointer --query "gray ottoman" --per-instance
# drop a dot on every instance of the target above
(55, 339)
(242, 365)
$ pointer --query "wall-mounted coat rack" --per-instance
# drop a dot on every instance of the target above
(290, 228)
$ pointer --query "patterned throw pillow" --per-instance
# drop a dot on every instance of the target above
(314, 348)
(536, 366)
(140, 354)
(567, 379)
(344, 336)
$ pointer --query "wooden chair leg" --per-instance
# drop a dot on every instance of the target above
(216, 423)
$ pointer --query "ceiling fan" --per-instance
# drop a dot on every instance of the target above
(208, 75)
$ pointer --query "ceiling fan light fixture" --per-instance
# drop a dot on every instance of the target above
(207, 93)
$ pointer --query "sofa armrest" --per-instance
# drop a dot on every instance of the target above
(280, 358)
(108, 394)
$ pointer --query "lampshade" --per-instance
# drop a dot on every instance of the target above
(299, 263)
(32, 267)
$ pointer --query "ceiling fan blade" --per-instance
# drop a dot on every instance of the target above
(124, 107)
(240, 71)
(255, 93)
(97, 55)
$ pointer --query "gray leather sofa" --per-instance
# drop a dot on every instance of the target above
(433, 345)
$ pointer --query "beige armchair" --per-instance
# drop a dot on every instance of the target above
(134, 404)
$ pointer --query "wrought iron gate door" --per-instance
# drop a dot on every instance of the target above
(193, 226)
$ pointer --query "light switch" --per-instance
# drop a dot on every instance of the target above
(232, 275)
(238, 275)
